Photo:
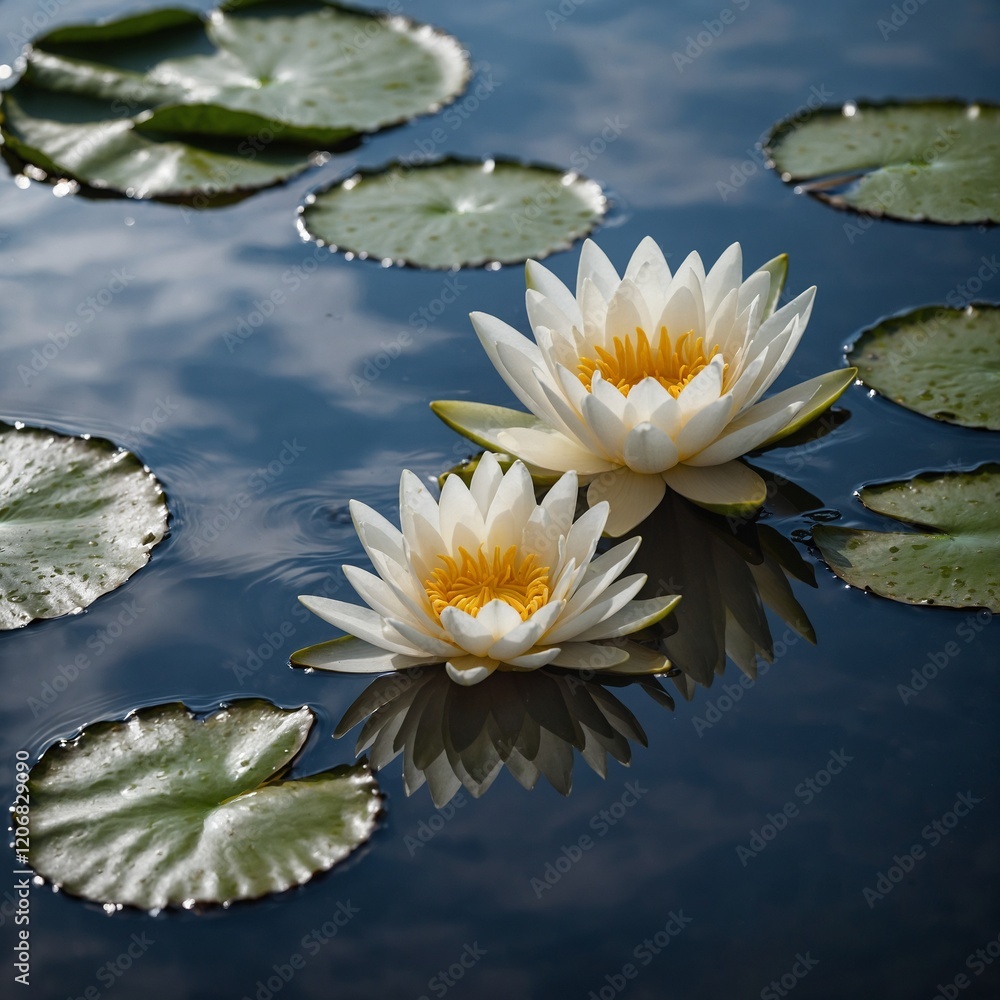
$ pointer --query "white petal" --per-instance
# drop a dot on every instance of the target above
(600, 574)
(485, 481)
(756, 286)
(462, 523)
(644, 398)
(604, 422)
(589, 656)
(550, 449)
(632, 498)
(469, 670)
(363, 623)
(747, 431)
(634, 616)
(354, 656)
(510, 509)
(594, 307)
(466, 631)
(616, 597)
(648, 256)
(542, 311)
(626, 312)
(525, 635)
(383, 534)
(703, 427)
(582, 539)
(429, 645)
(725, 277)
(535, 659)
(648, 450)
(684, 310)
(704, 388)
(719, 487)
(515, 366)
(493, 332)
(595, 266)
(376, 593)
(541, 279)
(498, 617)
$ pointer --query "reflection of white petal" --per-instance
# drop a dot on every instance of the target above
(632, 497)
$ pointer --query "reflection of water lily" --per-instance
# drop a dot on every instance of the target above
(485, 579)
(651, 380)
(453, 736)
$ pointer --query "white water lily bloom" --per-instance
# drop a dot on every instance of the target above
(487, 579)
(650, 380)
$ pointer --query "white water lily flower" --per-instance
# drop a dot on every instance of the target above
(488, 579)
(651, 380)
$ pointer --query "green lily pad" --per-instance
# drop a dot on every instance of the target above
(168, 809)
(67, 136)
(919, 161)
(78, 516)
(455, 213)
(953, 560)
(941, 362)
(175, 105)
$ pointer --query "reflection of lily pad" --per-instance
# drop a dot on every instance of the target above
(172, 104)
(166, 809)
(954, 560)
(78, 517)
(933, 161)
(455, 213)
(944, 363)
(310, 71)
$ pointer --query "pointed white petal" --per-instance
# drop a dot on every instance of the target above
(634, 616)
(595, 266)
(428, 645)
(539, 278)
(363, 623)
(542, 311)
(485, 481)
(492, 332)
(616, 597)
(534, 659)
(703, 427)
(648, 450)
(549, 449)
(632, 498)
(725, 277)
(731, 489)
(469, 670)
(466, 631)
(749, 430)
(589, 656)
(354, 656)
(704, 388)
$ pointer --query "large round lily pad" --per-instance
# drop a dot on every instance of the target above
(176, 105)
(455, 213)
(954, 559)
(168, 809)
(78, 516)
(941, 362)
(921, 161)
(309, 71)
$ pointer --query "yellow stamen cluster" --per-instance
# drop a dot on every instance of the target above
(672, 365)
(475, 580)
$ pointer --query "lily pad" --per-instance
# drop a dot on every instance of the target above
(455, 213)
(941, 362)
(176, 105)
(919, 161)
(310, 71)
(954, 559)
(78, 516)
(168, 809)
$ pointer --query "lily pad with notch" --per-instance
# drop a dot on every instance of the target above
(78, 516)
(166, 808)
(455, 213)
(952, 559)
(938, 361)
(917, 161)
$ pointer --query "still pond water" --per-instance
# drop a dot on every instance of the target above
(732, 858)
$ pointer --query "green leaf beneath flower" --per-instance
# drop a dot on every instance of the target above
(920, 161)
(78, 516)
(167, 809)
(953, 560)
(941, 362)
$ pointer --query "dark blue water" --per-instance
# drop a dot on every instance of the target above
(594, 85)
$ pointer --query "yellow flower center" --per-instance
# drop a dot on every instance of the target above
(475, 580)
(672, 365)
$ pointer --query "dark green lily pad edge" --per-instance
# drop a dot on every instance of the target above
(286, 774)
(607, 206)
(793, 121)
